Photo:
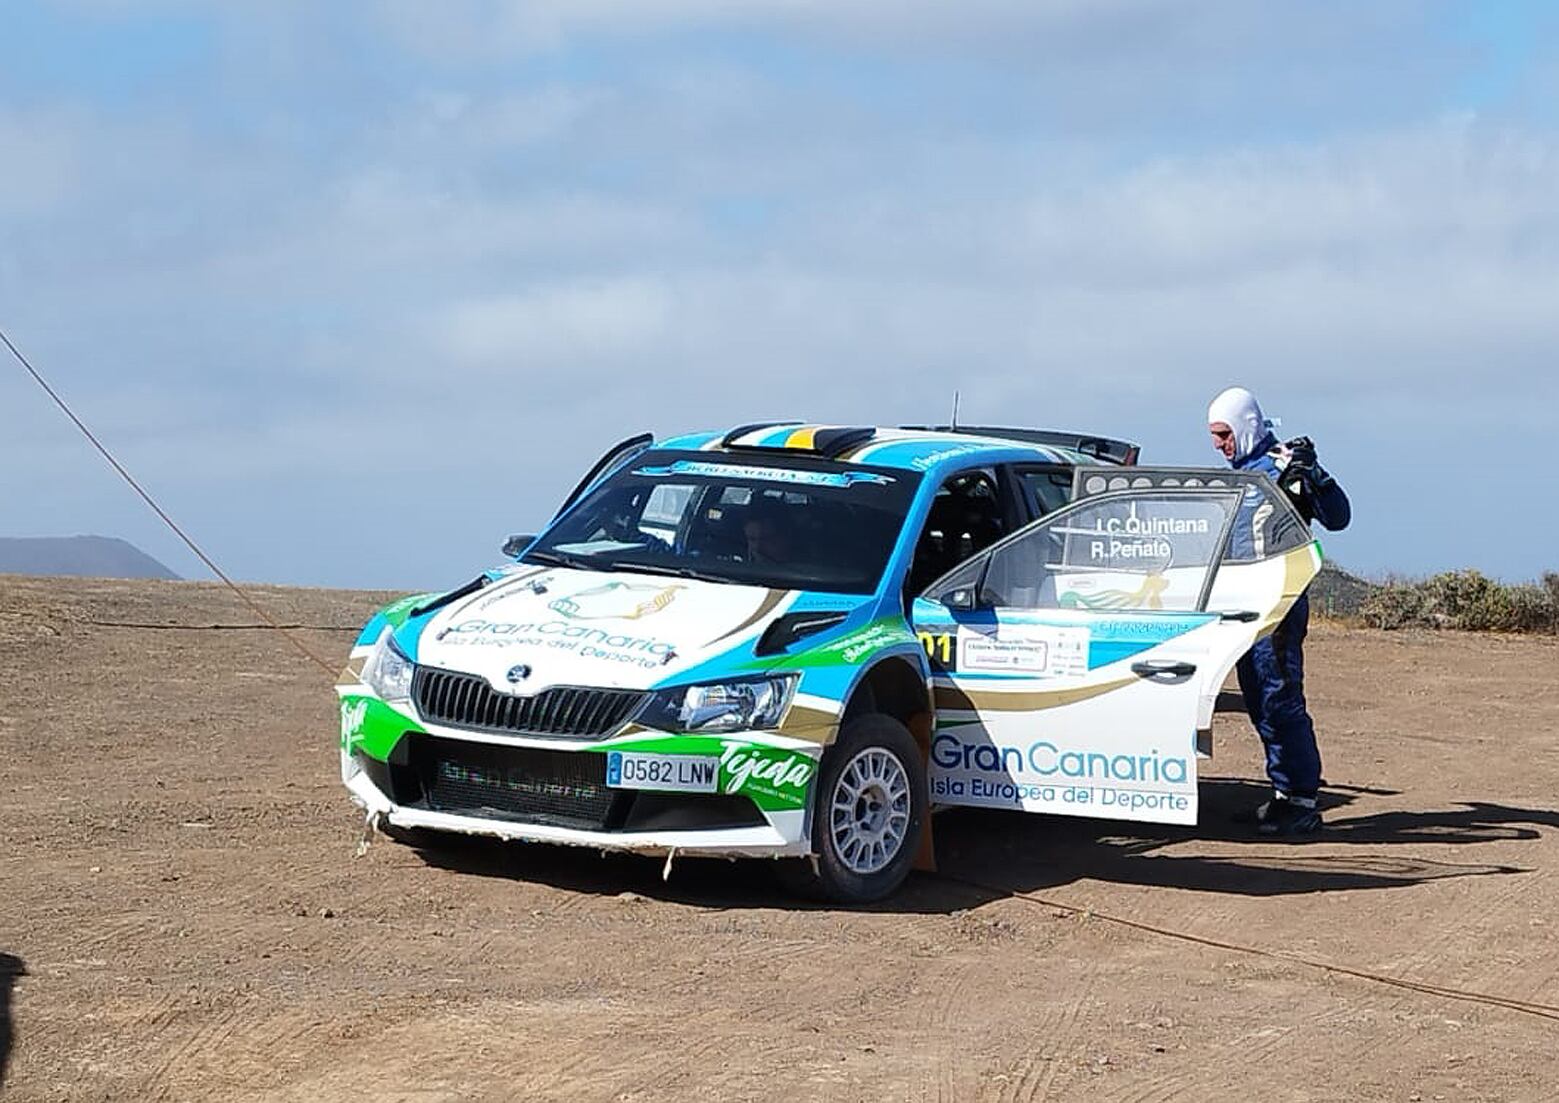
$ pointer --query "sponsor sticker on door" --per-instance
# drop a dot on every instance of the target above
(1036, 651)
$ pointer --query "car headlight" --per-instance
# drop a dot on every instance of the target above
(747, 705)
(388, 672)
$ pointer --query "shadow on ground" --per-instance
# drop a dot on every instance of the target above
(985, 855)
(11, 967)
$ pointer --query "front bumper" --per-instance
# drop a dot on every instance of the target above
(782, 836)
(415, 775)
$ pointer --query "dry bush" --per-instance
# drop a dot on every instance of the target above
(1468, 600)
(1396, 604)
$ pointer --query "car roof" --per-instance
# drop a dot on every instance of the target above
(910, 449)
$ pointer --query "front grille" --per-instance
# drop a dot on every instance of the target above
(564, 788)
(467, 701)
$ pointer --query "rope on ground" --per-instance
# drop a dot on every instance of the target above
(162, 625)
(37, 377)
(1509, 1003)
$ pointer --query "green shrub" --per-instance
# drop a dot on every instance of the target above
(1467, 600)
(1395, 604)
(1532, 609)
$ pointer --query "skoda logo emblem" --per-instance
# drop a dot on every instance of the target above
(517, 674)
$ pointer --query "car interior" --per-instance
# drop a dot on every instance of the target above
(966, 516)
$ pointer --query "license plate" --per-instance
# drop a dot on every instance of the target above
(679, 773)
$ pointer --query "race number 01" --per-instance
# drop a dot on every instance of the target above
(935, 643)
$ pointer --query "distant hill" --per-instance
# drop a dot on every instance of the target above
(82, 556)
(1336, 593)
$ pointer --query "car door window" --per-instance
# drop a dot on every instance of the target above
(664, 511)
(1262, 528)
(1142, 550)
(1045, 489)
(1266, 525)
(965, 518)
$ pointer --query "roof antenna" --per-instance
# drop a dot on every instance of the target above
(955, 410)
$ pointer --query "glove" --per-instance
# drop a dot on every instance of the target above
(1301, 458)
(1298, 472)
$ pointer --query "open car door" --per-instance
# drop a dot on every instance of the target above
(1075, 664)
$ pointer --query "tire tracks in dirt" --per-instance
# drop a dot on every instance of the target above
(652, 1058)
(206, 1036)
(1069, 1023)
(938, 1020)
(1049, 1037)
(503, 974)
(1428, 954)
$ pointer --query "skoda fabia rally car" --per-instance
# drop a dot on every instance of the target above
(792, 641)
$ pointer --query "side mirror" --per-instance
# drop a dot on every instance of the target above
(517, 543)
(960, 600)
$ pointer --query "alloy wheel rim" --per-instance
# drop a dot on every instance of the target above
(869, 813)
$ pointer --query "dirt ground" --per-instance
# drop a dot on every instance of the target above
(182, 915)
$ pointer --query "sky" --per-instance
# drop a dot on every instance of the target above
(357, 289)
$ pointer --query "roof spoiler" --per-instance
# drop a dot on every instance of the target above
(1120, 452)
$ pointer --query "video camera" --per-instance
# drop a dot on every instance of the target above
(1296, 464)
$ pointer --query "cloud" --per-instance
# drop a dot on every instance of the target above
(1079, 66)
(619, 320)
(1441, 188)
(445, 287)
(483, 126)
(481, 26)
(43, 162)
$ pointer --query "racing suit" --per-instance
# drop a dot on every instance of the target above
(1271, 674)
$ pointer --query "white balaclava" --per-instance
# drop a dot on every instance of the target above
(1238, 409)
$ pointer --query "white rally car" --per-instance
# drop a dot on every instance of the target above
(791, 641)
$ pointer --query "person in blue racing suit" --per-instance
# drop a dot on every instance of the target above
(1271, 674)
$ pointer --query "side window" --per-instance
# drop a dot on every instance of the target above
(1264, 525)
(663, 511)
(1144, 550)
(1044, 489)
(965, 518)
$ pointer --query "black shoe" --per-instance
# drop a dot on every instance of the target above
(1287, 817)
(1252, 816)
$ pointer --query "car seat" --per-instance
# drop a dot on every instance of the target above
(717, 533)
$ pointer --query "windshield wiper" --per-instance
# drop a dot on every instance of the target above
(675, 572)
(445, 599)
(581, 563)
(560, 559)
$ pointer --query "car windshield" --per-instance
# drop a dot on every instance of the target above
(783, 521)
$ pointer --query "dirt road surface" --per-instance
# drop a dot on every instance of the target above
(182, 916)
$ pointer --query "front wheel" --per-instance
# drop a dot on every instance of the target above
(869, 812)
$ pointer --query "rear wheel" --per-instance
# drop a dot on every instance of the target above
(869, 811)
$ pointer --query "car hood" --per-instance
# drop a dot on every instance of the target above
(532, 629)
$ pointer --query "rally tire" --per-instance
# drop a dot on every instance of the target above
(869, 810)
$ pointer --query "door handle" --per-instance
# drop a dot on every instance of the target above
(1159, 668)
(1245, 617)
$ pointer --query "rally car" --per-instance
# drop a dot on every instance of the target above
(793, 641)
